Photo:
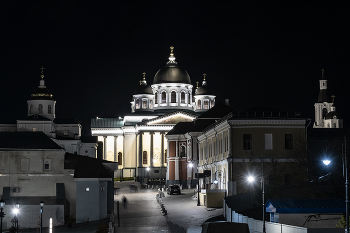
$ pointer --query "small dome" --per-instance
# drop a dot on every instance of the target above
(172, 73)
(41, 93)
(144, 89)
(204, 90)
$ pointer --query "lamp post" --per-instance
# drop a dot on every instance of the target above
(2, 204)
(250, 180)
(16, 211)
(41, 216)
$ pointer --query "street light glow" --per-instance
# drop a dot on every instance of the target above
(190, 165)
(15, 211)
(250, 179)
(326, 162)
(147, 169)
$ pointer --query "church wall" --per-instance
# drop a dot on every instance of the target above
(171, 167)
(172, 149)
(110, 148)
(146, 140)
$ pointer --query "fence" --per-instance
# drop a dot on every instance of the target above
(256, 226)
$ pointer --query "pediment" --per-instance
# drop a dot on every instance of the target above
(171, 119)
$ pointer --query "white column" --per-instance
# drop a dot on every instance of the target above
(115, 148)
(229, 143)
(177, 176)
(151, 149)
(140, 149)
(104, 147)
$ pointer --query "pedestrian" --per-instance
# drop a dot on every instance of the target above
(124, 202)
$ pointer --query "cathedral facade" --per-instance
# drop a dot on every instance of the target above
(137, 141)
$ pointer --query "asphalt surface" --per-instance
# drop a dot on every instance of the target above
(143, 213)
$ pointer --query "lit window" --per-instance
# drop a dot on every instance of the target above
(182, 151)
(144, 157)
(173, 97)
(206, 104)
(34, 129)
(144, 104)
(65, 132)
(150, 104)
(199, 103)
(137, 104)
(212, 103)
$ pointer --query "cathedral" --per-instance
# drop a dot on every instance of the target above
(137, 141)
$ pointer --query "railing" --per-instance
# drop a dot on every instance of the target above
(256, 226)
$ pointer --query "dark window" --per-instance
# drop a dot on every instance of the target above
(324, 113)
(289, 141)
(40, 108)
(49, 111)
(144, 157)
(120, 158)
(287, 179)
(46, 166)
(163, 97)
(189, 98)
(156, 171)
(173, 97)
(182, 151)
(247, 141)
(182, 97)
(156, 97)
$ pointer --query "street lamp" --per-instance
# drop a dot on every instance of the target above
(2, 204)
(250, 180)
(41, 216)
(16, 211)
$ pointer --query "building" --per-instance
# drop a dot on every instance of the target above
(325, 113)
(41, 116)
(137, 141)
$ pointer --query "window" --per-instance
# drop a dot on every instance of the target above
(49, 110)
(268, 142)
(156, 97)
(182, 97)
(199, 103)
(173, 97)
(212, 103)
(163, 97)
(288, 139)
(65, 132)
(182, 151)
(144, 104)
(206, 104)
(34, 129)
(40, 108)
(247, 141)
(189, 98)
(31, 109)
(87, 189)
(144, 157)
(287, 179)
(120, 158)
(137, 103)
(47, 164)
(150, 104)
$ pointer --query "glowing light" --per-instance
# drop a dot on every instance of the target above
(50, 225)
(147, 169)
(15, 211)
(326, 162)
(250, 179)
(215, 182)
(190, 165)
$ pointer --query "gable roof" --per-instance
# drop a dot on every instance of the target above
(87, 167)
(149, 121)
(186, 127)
(26, 141)
(106, 122)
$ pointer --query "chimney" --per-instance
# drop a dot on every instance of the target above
(227, 102)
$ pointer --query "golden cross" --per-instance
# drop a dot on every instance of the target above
(172, 48)
(204, 76)
(42, 69)
(197, 84)
(140, 82)
(333, 96)
(144, 75)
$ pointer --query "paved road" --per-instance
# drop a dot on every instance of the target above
(143, 213)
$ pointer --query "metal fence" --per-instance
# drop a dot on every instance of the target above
(256, 226)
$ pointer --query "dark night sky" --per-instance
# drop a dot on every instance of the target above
(95, 54)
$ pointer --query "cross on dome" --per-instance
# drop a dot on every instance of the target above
(204, 76)
(42, 72)
(172, 58)
(144, 75)
(322, 73)
(333, 96)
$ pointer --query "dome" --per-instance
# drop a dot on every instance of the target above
(144, 89)
(41, 93)
(204, 90)
(172, 73)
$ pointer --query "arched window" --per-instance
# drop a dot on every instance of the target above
(182, 151)
(163, 97)
(150, 104)
(212, 103)
(156, 98)
(182, 97)
(40, 108)
(49, 110)
(120, 158)
(173, 97)
(199, 103)
(137, 103)
(206, 104)
(144, 104)
(31, 109)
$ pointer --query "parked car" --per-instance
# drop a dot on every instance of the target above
(173, 189)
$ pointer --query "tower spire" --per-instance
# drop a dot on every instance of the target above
(172, 57)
